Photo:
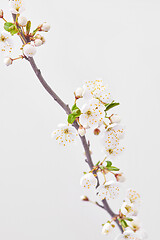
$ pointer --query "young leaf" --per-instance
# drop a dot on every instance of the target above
(113, 168)
(109, 163)
(76, 112)
(123, 223)
(10, 27)
(28, 27)
(97, 163)
(7, 25)
(71, 118)
(74, 107)
(129, 219)
(111, 105)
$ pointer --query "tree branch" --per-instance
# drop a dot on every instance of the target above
(68, 111)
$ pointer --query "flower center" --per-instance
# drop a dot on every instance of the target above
(110, 151)
(17, 9)
(3, 39)
(88, 113)
(135, 227)
(128, 208)
(66, 131)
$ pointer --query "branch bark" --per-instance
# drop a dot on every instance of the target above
(66, 108)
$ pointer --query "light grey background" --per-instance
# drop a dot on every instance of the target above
(118, 41)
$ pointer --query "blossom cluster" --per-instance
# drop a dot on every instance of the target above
(22, 27)
(92, 110)
(128, 219)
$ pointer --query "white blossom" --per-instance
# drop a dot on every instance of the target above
(38, 36)
(120, 177)
(111, 139)
(79, 92)
(112, 146)
(22, 21)
(128, 209)
(92, 114)
(115, 129)
(8, 61)
(38, 42)
(45, 27)
(81, 131)
(16, 6)
(29, 50)
(135, 225)
(65, 134)
(6, 42)
(114, 118)
(109, 190)
(128, 234)
(133, 196)
(107, 228)
(98, 90)
(88, 181)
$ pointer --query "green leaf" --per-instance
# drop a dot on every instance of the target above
(28, 27)
(7, 25)
(84, 173)
(109, 163)
(113, 168)
(76, 112)
(74, 107)
(97, 163)
(11, 27)
(111, 105)
(71, 118)
(123, 223)
(129, 219)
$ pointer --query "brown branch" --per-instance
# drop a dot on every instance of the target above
(68, 111)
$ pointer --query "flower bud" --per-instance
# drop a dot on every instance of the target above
(120, 177)
(84, 198)
(8, 61)
(29, 50)
(38, 36)
(135, 224)
(97, 131)
(38, 42)
(1, 13)
(107, 228)
(45, 27)
(22, 21)
(79, 92)
(115, 118)
(81, 131)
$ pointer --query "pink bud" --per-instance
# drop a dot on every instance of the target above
(84, 198)
(96, 131)
(1, 13)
